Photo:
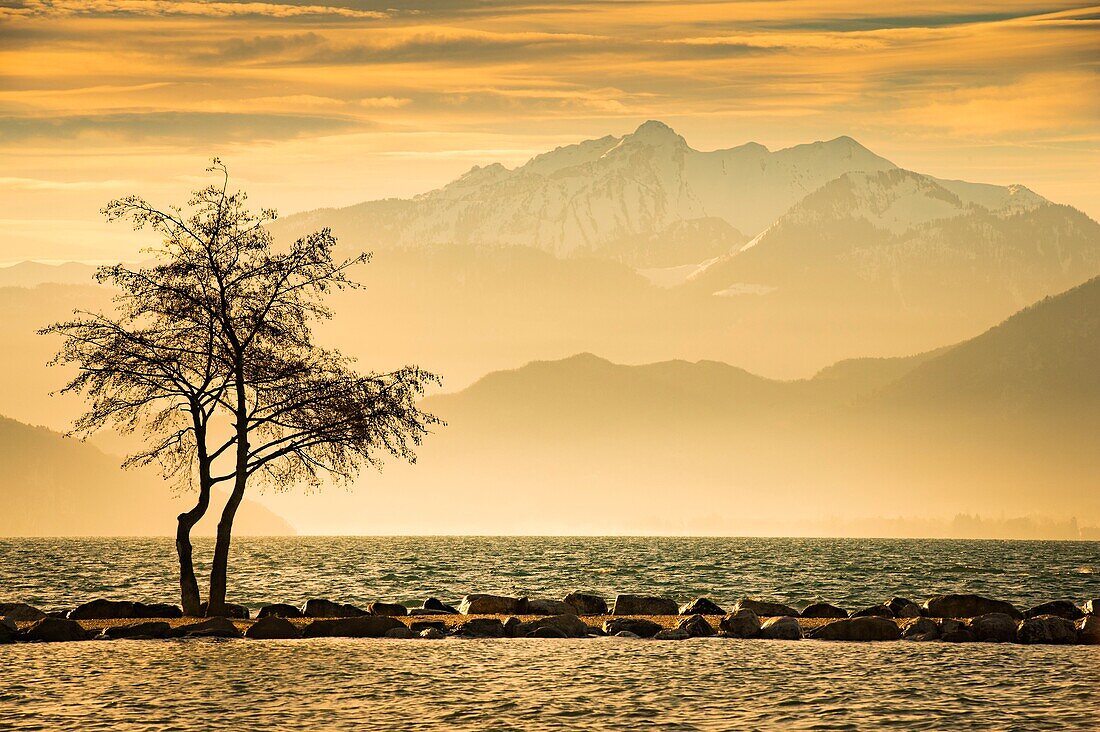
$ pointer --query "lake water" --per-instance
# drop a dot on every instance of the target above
(603, 684)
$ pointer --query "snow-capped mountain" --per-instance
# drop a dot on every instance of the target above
(916, 241)
(646, 198)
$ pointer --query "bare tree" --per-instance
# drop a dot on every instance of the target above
(223, 373)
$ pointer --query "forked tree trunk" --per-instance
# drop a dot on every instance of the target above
(219, 569)
(189, 585)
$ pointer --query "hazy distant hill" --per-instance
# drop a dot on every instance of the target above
(53, 486)
(31, 274)
(627, 198)
(1002, 424)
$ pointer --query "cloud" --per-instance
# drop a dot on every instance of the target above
(210, 128)
(30, 8)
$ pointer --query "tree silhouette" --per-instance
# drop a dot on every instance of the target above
(210, 354)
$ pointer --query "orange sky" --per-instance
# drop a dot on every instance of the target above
(329, 104)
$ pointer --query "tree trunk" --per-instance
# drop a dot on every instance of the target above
(189, 585)
(220, 567)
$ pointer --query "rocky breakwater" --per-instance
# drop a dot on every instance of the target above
(953, 618)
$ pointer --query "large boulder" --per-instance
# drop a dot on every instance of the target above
(279, 610)
(875, 611)
(702, 606)
(1091, 607)
(437, 605)
(766, 609)
(863, 628)
(922, 629)
(482, 604)
(903, 607)
(549, 607)
(824, 610)
(272, 627)
(1047, 630)
(215, 627)
(321, 608)
(967, 606)
(782, 627)
(994, 628)
(568, 624)
(639, 627)
(101, 609)
(148, 629)
(696, 626)
(8, 630)
(481, 628)
(1061, 608)
(402, 633)
(55, 630)
(586, 603)
(390, 609)
(1088, 630)
(432, 634)
(231, 610)
(360, 626)
(644, 605)
(20, 612)
(742, 623)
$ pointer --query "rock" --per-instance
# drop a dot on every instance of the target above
(55, 630)
(20, 612)
(1092, 607)
(742, 623)
(924, 629)
(994, 628)
(432, 634)
(903, 607)
(216, 627)
(962, 635)
(232, 610)
(148, 629)
(781, 628)
(586, 604)
(511, 626)
(672, 634)
(272, 627)
(100, 609)
(824, 610)
(597, 632)
(419, 626)
(568, 624)
(702, 606)
(765, 609)
(428, 611)
(875, 611)
(157, 610)
(433, 604)
(626, 634)
(644, 605)
(862, 628)
(57, 613)
(637, 626)
(492, 605)
(1088, 630)
(547, 631)
(696, 627)
(481, 628)
(389, 609)
(402, 633)
(967, 606)
(279, 610)
(1061, 608)
(549, 607)
(8, 630)
(359, 626)
(1047, 630)
(320, 608)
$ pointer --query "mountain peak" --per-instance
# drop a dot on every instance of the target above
(655, 132)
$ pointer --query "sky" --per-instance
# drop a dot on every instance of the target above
(325, 104)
